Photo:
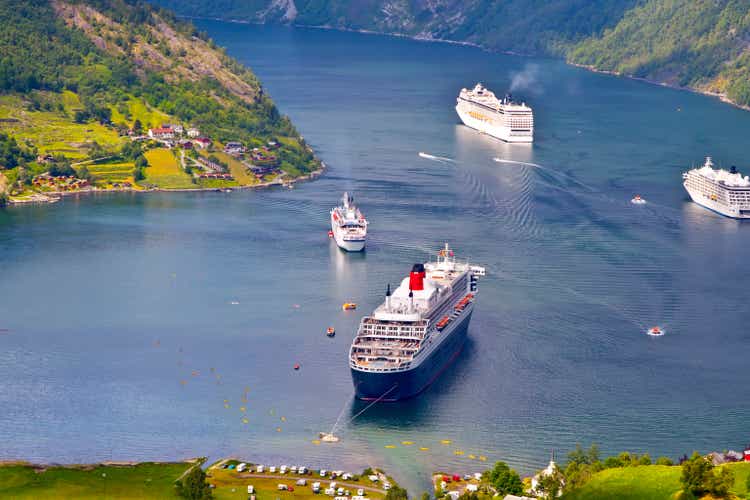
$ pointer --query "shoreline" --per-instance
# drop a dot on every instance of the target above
(717, 95)
(55, 196)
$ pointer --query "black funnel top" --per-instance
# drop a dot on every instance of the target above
(411, 294)
(733, 170)
(417, 268)
(388, 290)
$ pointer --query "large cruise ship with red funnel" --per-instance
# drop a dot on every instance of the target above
(404, 345)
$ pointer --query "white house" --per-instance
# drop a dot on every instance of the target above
(550, 470)
(193, 132)
(161, 133)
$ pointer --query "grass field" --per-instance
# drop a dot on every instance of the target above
(237, 169)
(165, 172)
(650, 482)
(139, 110)
(107, 173)
(53, 132)
(143, 481)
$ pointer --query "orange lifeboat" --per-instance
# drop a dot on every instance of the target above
(443, 322)
(349, 306)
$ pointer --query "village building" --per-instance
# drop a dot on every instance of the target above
(193, 132)
(161, 133)
(202, 142)
(551, 470)
(234, 148)
(178, 129)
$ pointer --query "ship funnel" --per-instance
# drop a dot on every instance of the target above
(416, 278)
(411, 301)
(733, 170)
(388, 298)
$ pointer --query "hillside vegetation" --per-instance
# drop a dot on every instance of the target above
(647, 482)
(702, 44)
(79, 77)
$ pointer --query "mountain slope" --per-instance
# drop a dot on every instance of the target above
(76, 75)
(525, 26)
(703, 44)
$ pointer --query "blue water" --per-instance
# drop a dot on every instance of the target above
(131, 319)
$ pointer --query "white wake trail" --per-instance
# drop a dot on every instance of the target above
(428, 156)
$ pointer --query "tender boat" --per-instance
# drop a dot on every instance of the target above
(637, 200)
(330, 331)
(349, 306)
(655, 331)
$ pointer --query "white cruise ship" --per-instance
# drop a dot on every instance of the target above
(348, 225)
(724, 192)
(504, 119)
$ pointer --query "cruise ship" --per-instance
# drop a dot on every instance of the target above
(348, 225)
(724, 192)
(501, 118)
(417, 332)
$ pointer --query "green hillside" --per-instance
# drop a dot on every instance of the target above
(648, 482)
(79, 77)
(703, 44)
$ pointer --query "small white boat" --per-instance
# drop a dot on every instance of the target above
(655, 331)
(637, 200)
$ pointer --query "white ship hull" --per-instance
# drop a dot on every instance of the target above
(490, 123)
(715, 206)
(344, 241)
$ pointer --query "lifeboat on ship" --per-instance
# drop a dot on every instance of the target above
(443, 322)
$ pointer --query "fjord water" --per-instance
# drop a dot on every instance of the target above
(149, 326)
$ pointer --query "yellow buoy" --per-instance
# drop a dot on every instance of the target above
(472, 457)
(390, 446)
(407, 443)
(316, 441)
(482, 458)
(244, 420)
(424, 449)
(242, 408)
(458, 452)
(445, 441)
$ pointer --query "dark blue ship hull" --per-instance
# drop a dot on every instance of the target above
(393, 386)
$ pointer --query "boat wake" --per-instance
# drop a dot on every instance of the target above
(442, 159)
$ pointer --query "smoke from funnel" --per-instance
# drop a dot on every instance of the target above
(526, 80)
